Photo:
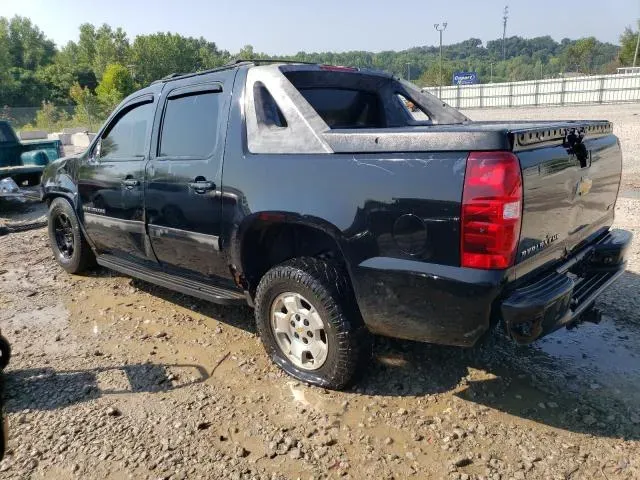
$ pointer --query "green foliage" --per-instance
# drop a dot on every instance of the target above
(88, 111)
(116, 84)
(155, 56)
(28, 47)
(103, 65)
(431, 76)
(628, 42)
(50, 118)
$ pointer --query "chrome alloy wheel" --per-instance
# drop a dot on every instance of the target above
(299, 331)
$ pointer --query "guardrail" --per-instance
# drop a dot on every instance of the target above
(619, 88)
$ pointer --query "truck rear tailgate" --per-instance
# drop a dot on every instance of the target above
(571, 175)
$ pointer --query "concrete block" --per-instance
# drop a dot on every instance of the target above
(65, 138)
(73, 130)
(32, 135)
(81, 139)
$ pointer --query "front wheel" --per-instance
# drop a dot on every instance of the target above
(309, 323)
(69, 246)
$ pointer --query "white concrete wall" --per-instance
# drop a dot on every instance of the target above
(619, 88)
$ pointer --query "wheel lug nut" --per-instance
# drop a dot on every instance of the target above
(309, 333)
(304, 340)
(306, 323)
(296, 335)
(293, 323)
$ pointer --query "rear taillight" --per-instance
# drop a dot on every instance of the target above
(491, 210)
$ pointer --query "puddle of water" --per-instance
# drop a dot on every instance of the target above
(604, 356)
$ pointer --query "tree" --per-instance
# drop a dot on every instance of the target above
(579, 55)
(110, 47)
(157, 55)
(431, 76)
(5, 60)
(28, 47)
(628, 42)
(116, 84)
(246, 53)
(88, 108)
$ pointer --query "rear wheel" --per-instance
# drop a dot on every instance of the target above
(69, 246)
(309, 323)
(5, 354)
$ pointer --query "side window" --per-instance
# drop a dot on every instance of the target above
(190, 125)
(412, 109)
(267, 110)
(126, 138)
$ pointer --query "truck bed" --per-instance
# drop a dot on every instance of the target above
(512, 136)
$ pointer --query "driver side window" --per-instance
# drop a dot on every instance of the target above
(128, 136)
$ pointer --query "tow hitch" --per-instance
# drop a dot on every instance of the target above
(591, 315)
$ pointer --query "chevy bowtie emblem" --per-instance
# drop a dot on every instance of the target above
(584, 186)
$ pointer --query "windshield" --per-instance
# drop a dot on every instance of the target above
(6, 134)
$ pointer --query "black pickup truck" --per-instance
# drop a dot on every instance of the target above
(314, 194)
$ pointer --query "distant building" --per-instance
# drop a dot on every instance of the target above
(624, 70)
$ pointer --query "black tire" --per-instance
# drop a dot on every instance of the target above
(327, 288)
(5, 354)
(79, 257)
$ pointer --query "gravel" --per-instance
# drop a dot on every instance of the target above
(115, 378)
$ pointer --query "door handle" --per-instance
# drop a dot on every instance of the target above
(201, 186)
(130, 182)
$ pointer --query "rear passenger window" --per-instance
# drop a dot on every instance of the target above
(190, 125)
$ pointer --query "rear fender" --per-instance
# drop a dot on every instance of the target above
(238, 234)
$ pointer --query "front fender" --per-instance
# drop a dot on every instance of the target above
(59, 180)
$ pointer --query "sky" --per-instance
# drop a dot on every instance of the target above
(289, 26)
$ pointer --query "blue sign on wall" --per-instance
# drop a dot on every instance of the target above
(465, 78)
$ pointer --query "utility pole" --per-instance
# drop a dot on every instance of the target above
(635, 56)
(408, 71)
(491, 64)
(505, 17)
(440, 29)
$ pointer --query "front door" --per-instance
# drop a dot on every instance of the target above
(111, 183)
(183, 196)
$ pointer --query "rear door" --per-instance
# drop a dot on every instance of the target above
(111, 182)
(183, 195)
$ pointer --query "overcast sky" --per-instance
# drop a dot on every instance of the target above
(288, 26)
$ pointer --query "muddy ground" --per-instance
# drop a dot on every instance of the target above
(115, 378)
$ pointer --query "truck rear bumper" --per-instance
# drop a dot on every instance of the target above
(426, 302)
(456, 306)
(563, 296)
